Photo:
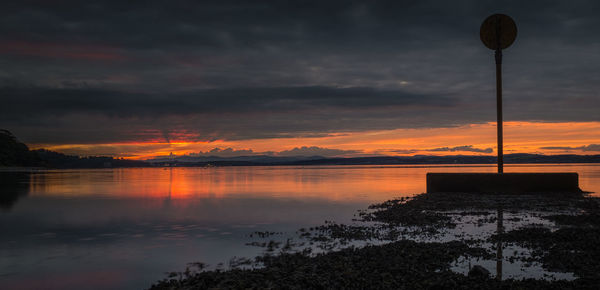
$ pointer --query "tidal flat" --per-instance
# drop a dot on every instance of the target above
(430, 241)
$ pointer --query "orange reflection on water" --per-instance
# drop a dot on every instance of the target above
(320, 182)
(334, 183)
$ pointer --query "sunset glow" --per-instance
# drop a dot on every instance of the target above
(520, 137)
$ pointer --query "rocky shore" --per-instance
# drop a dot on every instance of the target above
(430, 241)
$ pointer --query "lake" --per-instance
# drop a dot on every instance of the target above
(124, 228)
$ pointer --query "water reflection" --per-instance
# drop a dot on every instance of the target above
(139, 223)
(13, 186)
(335, 183)
(499, 231)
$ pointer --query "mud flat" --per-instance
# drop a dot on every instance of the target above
(432, 241)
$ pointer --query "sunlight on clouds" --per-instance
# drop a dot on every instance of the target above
(520, 137)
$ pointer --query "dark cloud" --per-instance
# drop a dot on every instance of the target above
(465, 148)
(18, 101)
(89, 115)
(584, 148)
(112, 71)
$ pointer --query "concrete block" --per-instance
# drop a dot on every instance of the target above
(503, 182)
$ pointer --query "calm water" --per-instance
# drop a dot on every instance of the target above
(124, 228)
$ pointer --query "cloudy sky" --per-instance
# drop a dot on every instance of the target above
(343, 78)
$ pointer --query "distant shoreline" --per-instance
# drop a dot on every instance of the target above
(186, 161)
(407, 165)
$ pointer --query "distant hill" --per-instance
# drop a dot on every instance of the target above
(58, 160)
(187, 161)
(252, 159)
(457, 159)
(15, 153)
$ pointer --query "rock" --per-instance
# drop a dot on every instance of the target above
(479, 272)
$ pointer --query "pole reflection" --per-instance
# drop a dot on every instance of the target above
(499, 231)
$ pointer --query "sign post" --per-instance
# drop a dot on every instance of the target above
(498, 32)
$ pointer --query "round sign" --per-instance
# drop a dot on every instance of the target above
(498, 31)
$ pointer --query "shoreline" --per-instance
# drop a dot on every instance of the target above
(427, 241)
(416, 165)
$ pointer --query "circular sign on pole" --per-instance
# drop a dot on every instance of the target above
(498, 31)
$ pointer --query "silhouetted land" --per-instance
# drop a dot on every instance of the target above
(384, 160)
(16, 154)
(58, 160)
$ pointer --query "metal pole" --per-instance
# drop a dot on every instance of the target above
(499, 107)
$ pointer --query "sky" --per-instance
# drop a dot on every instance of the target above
(139, 79)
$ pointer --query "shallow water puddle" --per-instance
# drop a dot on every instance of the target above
(473, 228)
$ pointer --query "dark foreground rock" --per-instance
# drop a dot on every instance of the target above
(570, 249)
(399, 265)
(479, 272)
